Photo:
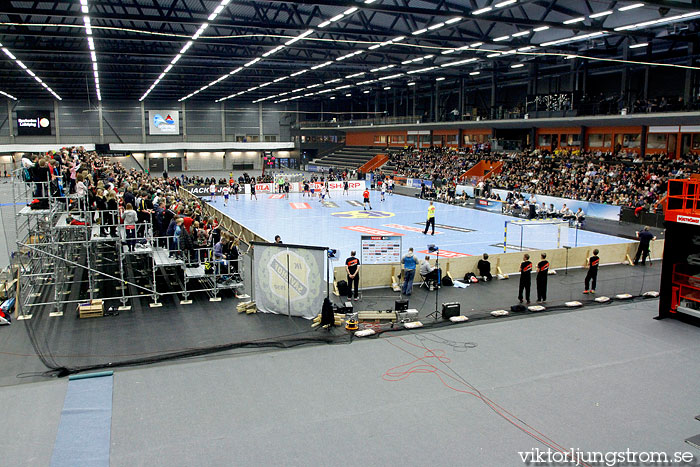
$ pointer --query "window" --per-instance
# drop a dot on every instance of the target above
(451, 139)
(239, 139)
(657, 140)
(570, 140)
(544, 140)
(599, 140)
(379, 138)
(398, 139)
(474, 139)
(437, 140)
(252, 138)
(270, 138)
(632, 140)
(696, 141)
(413, 139)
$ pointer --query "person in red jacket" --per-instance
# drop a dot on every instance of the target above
(365, 195)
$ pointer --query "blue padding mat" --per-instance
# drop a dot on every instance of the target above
(83, 437)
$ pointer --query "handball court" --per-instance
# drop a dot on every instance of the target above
(340, 221)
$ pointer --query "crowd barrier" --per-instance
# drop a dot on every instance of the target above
(380, 275)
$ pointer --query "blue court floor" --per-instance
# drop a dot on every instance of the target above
(341, 221)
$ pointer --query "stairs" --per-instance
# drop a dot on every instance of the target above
(348, 157)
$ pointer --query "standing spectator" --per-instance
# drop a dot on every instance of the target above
(525, 279)
(592, 275)
(409, 272)
(130, 218)
(542, 270)
(645, 237)
(352, 267)
(431, 219)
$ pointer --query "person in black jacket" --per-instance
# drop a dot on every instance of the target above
(592, 275)
(484, 267)
(111, 217)
(542, 270)
(525, 279)
(645, 238)
(100, 208)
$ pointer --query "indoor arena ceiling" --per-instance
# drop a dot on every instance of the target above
(315, 49)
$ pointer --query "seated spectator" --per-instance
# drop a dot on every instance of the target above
(484, 267)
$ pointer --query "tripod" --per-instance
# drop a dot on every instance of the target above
(436, 314)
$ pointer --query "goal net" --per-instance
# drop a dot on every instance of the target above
(523, 235)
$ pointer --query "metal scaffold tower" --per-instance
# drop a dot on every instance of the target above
(68, 254)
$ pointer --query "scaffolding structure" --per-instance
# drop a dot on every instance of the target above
(68, 254)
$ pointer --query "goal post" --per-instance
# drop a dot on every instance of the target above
(524, 235)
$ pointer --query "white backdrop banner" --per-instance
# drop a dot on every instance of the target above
(289, 279)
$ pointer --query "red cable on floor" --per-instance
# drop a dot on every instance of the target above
(398, 373)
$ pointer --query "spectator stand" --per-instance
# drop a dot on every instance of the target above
(68, 254)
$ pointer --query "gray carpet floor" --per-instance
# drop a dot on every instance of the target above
(597, 379)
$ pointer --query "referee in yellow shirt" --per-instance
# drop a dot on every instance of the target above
(431, 219)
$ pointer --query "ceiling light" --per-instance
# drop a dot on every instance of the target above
(321, 65)
(186, 46)
(367, 2)
(505, 3)
(476, 44)
(525, 49)
(442, 78)
(348, 94)
(493, 55)
(574, 20)
(252, 62)
(631, 7)
(420, 31)
(336, 18)
(412, 83)
(9, 54)
(350, 11)
(435, 26)
(602, 13)
(453, 20)
(474, 73)
(569, 57)
(332, 97)
(636, 46)
(482, 10)
(355, 75)
(301, 72)
(541, 28)
(501, 38)
(375, 46)
(460, 62)
(365, 92)
(518, 65)
(324, 24)
(8, 95)
(448, 51)
(387, 88)
(521, 33)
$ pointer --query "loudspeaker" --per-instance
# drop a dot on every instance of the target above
(401, 305)
(450, 309)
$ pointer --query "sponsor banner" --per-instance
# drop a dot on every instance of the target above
(163, 122)
(33, 123)
(380, 249)
(260, 188)
(370, 231)
(363, 214)
(684, 219)
(300, 205)
(416, 183)
(316, 168)
(407, 227)
(354, 185)
(489, 205)
(203, 191)
(445, 254)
